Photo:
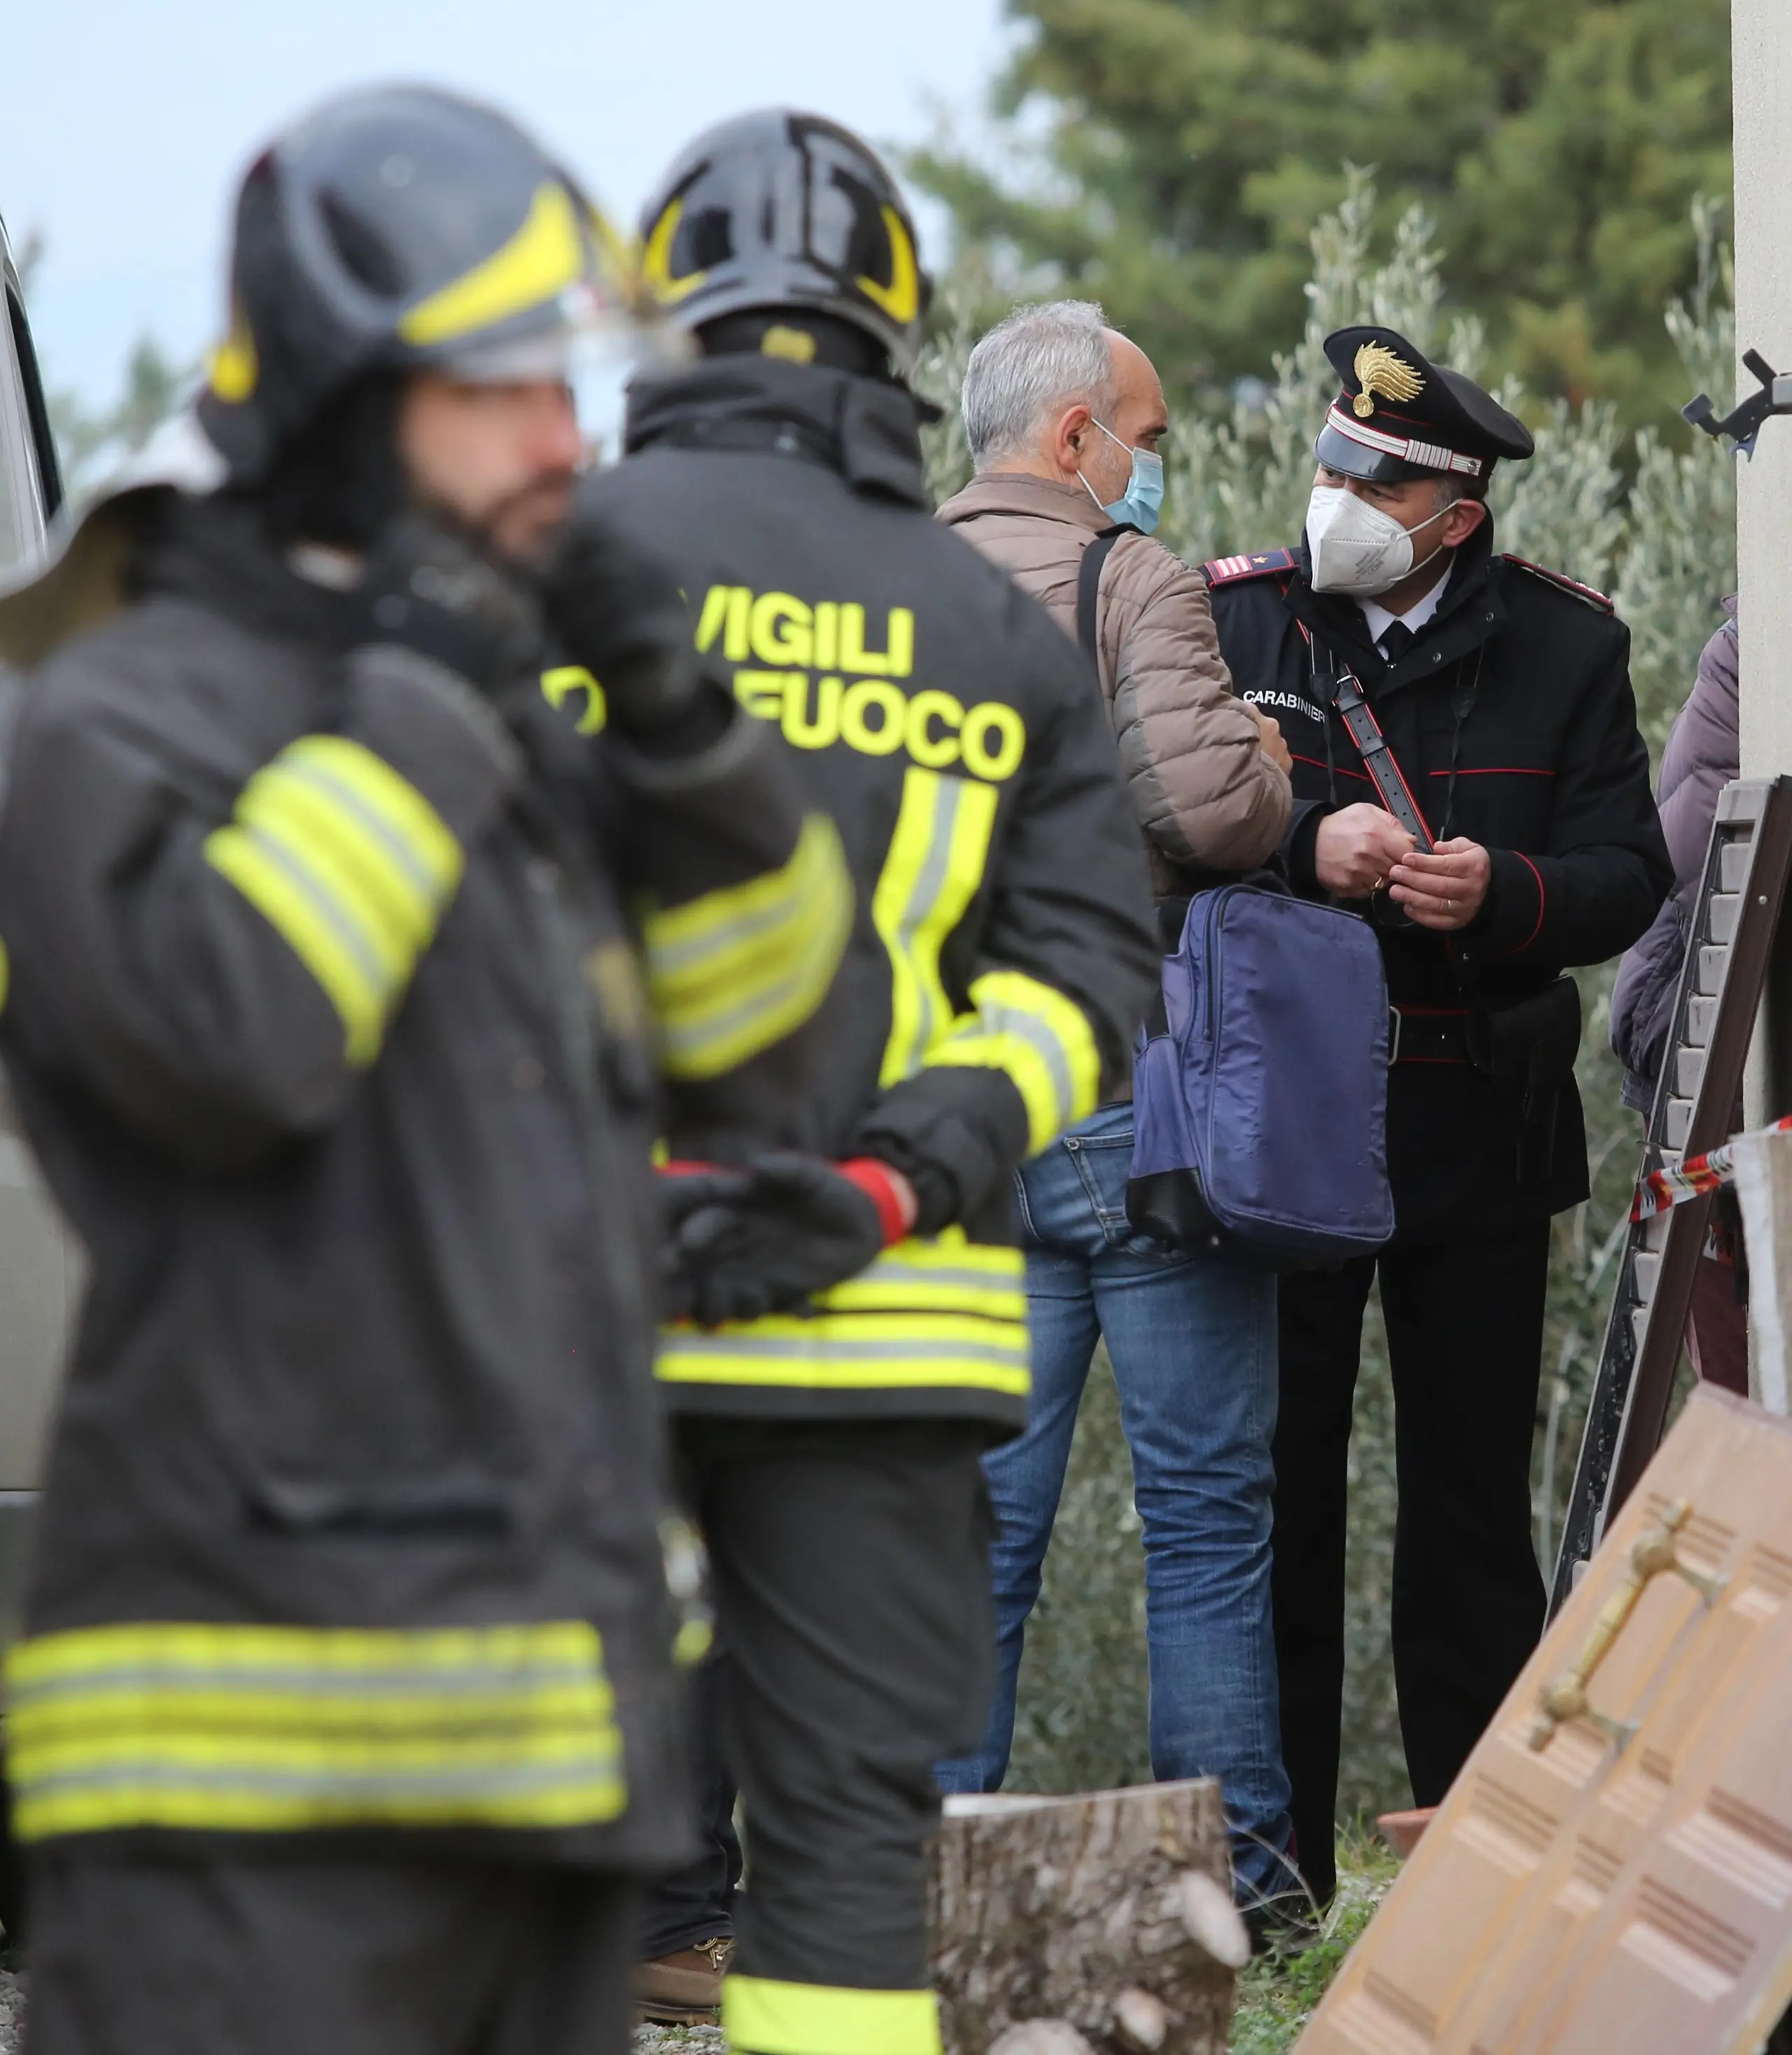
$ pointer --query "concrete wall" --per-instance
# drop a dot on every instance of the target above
(1762, 36)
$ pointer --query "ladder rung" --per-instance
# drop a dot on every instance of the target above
(1646, 1269)
(1689, 1067)
(1701, 1018)
(1725, 911)
(1679, 1119)
(1733, 862)
(1639, 1327)
(1655, 1229)
(1712, 957)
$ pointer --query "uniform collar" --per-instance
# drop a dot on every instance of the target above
(216, 552)
(1469, 613)
(866, 429)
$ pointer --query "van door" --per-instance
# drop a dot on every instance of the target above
(40, 1263)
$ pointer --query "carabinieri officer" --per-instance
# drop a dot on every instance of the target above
(1503, 692)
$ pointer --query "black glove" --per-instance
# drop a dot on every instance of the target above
(617, 610)
(760, 1240)
(435, 588)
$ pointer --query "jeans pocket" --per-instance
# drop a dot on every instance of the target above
(1105, 1163)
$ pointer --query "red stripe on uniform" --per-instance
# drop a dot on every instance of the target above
(1541, 897)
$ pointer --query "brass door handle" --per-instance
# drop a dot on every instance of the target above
(1565, 1696)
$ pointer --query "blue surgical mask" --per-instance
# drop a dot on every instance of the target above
(1142, 501)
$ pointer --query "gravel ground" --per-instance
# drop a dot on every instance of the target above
(670, 2040)
(648, 2040)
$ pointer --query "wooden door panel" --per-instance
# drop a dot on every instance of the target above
(1608, 1893)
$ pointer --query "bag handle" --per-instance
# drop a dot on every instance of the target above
(1089, 585)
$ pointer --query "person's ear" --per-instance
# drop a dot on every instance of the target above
(1070, 447)
(1461, 521)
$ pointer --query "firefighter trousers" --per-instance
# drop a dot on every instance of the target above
(325, 1954)
(851, 1571)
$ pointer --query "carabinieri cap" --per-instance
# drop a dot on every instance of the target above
(1400, 417)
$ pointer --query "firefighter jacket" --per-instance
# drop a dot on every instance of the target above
(1003, 948)
(323, 1020)
(1512, 717)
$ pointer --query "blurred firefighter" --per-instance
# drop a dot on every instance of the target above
(342, 1718)
(858, 1332)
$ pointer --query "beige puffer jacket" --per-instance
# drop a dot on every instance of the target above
(1205, 792)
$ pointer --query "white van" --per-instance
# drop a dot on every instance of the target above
(40, 1261)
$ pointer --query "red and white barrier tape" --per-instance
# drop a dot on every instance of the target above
(1696, 1176)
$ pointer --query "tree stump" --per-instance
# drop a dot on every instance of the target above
(1104, 1919)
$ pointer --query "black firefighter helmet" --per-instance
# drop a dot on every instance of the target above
(396, 228)
(784, 210)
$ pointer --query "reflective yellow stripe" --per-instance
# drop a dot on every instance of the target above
(416, 834)
(314, 931)
(736, 970)
(934, 866)
(766, 2018)
(944, 1274)
(545, 256)
(852, 1352)
(254, 1729)
(351, 865)
(940, 1311)
(1042, 1040)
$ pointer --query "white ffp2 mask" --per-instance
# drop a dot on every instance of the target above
(1356, 547)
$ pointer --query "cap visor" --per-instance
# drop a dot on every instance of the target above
(1353, 460)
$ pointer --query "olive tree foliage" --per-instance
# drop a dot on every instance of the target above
(1653, 523)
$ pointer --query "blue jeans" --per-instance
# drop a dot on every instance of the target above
(1192, 1342)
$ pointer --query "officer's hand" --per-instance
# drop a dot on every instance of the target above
(435, 588)
(1446, 890)
(1357, 848)
(617, 610)
(1269, 737)
(747, 1242)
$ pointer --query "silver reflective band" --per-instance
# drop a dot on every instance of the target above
(1432, 456)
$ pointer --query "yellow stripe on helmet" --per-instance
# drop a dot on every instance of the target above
(656, 260)
(547, 254)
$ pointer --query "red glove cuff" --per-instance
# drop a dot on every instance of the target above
(888, 1190)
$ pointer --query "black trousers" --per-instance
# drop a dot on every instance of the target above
(851, 1575)
(326, 1955)
(696, 1903)
(1464, 1339)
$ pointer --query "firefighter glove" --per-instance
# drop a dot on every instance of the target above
(617, 610)
(743, 1243)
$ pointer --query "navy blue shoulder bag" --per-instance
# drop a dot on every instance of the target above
(1259, 1093)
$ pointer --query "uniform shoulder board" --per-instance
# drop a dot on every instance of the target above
(1266, 563)
(1563, 583)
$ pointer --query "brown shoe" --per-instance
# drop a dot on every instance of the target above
(684, 1989)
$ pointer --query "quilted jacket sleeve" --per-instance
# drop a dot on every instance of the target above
(1204, 791)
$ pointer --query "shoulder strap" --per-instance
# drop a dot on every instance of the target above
(1587, 594)
(1089, 585)
(1263, 563)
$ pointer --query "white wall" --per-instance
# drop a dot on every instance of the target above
(1763, 107)
(1763, 37)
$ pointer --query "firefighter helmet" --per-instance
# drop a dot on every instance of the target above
(780, 209)
(397, 227)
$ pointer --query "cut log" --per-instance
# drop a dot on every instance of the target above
(1106, 1916)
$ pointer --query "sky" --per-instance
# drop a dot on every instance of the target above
(127, 123)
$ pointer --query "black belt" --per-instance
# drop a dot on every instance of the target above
(1429, 1035)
